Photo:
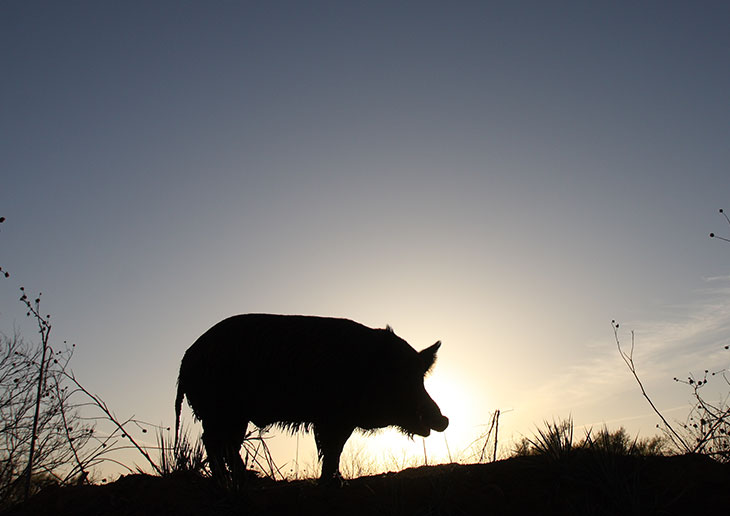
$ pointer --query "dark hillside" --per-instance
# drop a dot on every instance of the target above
(580, 484)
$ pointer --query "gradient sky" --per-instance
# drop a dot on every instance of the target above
(504, 176)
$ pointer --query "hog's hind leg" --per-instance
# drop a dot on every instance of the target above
(215, 449)
(232, 452)
(223, 440)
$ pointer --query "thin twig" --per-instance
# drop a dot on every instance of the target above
(629, 360)
(103, 407)
(44, 328)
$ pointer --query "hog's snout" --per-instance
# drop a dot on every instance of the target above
(441, 424)
(425, 425)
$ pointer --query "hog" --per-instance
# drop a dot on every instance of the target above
(325, 375)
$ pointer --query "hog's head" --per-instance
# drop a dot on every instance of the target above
(401, 399)
(427, 415)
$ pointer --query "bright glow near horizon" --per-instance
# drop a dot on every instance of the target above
(506, 177)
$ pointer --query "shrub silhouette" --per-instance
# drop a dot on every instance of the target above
(59, 429)
(555, 441)
(44, 437)
(707, 427)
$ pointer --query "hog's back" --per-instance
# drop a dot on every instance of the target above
(288, 369)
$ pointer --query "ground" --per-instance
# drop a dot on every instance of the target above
(578, 484)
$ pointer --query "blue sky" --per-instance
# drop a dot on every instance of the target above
(504, 176)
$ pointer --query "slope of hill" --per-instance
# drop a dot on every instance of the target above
(579, 484)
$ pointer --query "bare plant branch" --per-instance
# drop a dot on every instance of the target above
(111, 417)
(628, 359)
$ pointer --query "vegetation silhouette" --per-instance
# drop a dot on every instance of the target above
(706, 429)
(604, 473)
(363, 378)
(49, 436)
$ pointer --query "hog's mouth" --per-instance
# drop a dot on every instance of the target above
(425, 426)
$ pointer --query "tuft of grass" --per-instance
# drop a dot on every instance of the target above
(188, 456)
(554, 441)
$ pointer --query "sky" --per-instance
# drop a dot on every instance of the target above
(506, 177)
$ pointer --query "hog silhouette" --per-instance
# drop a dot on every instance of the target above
(330, 376)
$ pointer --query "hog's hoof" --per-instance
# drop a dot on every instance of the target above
(332, 482)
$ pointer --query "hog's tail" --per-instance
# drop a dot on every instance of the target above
(178, 409)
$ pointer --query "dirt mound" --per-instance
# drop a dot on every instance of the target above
(578, 484)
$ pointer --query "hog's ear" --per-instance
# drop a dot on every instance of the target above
(428, 356)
